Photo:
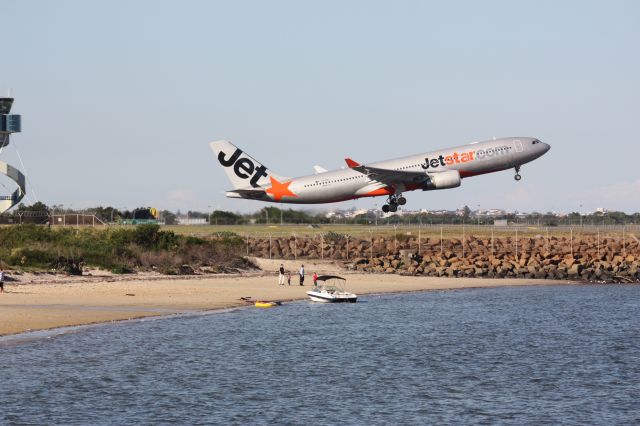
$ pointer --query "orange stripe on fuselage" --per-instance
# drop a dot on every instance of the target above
(378, 192)
(388, 191)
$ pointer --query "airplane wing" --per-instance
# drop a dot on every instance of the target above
(388, 176)
(319, 169)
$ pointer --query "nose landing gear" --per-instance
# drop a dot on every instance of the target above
(517, 176)
(393, 202)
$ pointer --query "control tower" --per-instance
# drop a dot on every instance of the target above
(10, 123)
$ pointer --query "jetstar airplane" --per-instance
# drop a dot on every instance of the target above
(441, 169)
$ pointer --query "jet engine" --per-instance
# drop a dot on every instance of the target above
(442, 180)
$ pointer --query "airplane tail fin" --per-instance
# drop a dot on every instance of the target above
(243, 171)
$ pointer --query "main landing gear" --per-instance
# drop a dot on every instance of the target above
(517, 176)
(393, 202)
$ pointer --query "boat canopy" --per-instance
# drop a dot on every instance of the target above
(330, 277)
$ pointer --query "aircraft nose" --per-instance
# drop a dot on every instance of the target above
(546, 147)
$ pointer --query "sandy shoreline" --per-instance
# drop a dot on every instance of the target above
(41, 305)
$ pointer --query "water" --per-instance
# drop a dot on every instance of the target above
(565, 354)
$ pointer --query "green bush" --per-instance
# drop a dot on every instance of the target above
(119, 250)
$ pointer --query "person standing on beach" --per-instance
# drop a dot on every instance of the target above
(315, 279)
(281, 276)
(301, 274)
(1, 281)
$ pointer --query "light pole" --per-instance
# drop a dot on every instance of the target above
(209, 220)
(580, 215)
(70, 209)
(375, 213)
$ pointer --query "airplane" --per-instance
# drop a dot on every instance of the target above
(440, 169)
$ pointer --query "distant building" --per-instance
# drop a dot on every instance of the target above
(490, 213)
(184, 220)
(438, 212)
(354, 213)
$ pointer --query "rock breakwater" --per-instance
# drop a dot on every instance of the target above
(586, 258)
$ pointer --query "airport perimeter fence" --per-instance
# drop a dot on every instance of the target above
(43, 218)
(451, 241)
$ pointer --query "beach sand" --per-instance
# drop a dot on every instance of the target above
(29, 305)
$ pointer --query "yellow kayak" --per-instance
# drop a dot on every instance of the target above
(260, 304)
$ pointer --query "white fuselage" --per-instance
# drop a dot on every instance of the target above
(469, 160)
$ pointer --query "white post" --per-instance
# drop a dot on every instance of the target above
(441, 240)
(598, 243)
(371, 248)
(347, 237)
(295, 246)
(463, 241)
(269, 246)
(624, 243)
(547, 238)
(419, 236)
(516, 244)
(571, 239)
(395, 237)
(322, 246)
(247, 245)
(492, 250)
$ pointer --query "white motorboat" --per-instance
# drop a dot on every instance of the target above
(330, 289)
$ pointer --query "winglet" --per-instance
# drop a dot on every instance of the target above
(351, 163)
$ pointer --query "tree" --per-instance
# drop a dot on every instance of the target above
(221, 217)
(466, 212)
(168, 217)
(35, 207)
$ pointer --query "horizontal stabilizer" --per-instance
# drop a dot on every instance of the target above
(251, 194)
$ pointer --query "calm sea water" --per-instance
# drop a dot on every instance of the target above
(566, 354)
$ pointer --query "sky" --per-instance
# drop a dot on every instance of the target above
(119, 99)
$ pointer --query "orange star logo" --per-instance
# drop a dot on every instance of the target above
(280, 190)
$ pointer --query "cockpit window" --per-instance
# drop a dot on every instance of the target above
(535, 141)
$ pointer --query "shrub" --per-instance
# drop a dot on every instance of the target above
(119, 249)
(31, 257)
(334, 237)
